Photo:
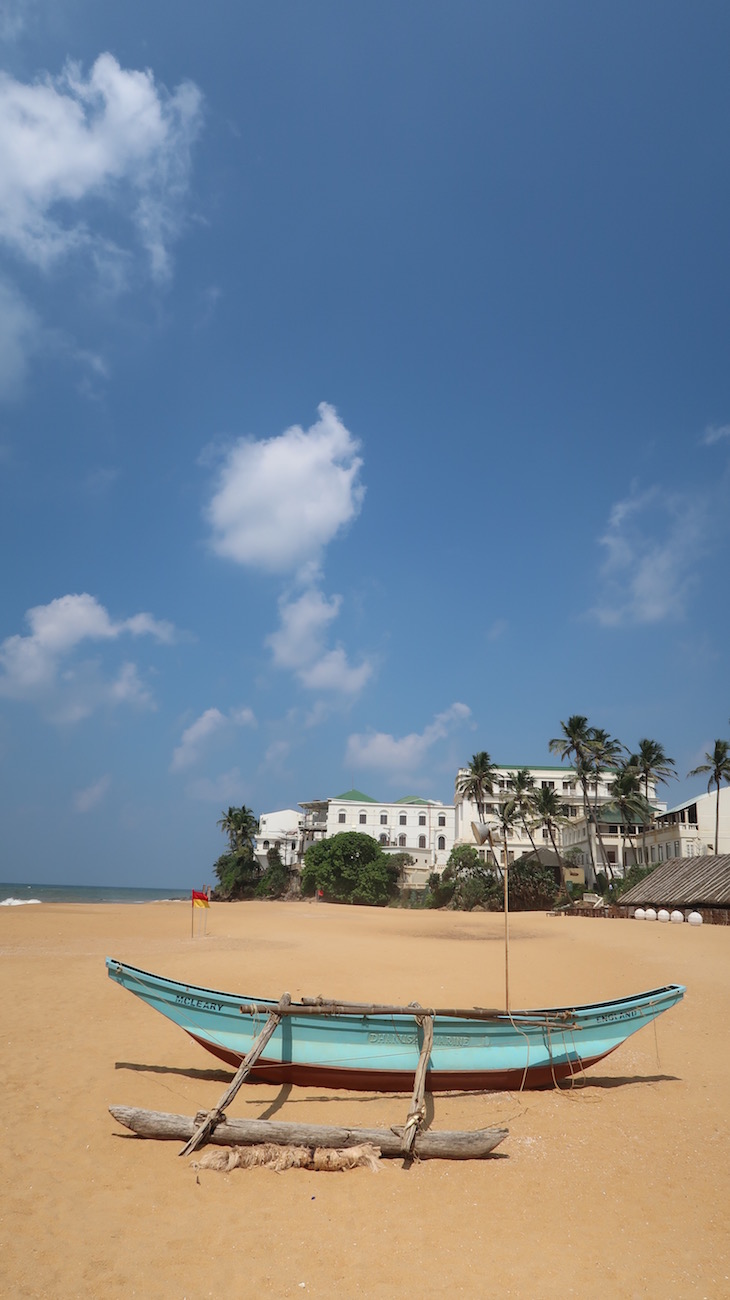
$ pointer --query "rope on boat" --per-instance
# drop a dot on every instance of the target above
(526, 1037)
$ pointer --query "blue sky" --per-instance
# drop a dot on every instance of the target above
(364, 402)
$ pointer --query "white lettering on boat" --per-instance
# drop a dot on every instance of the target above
(410, 1040)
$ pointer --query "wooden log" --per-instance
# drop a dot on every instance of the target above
(323, 1007)
(429, 1145)
(417, 1112)
(214, 1116)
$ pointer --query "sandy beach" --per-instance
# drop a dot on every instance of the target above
(618, 1186)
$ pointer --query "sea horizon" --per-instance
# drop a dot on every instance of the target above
(19, 894)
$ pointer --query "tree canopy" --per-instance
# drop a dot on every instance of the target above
(476, 783)
(348, 868)
(237, 870)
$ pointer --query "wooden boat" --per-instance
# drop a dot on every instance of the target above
(376, 1048)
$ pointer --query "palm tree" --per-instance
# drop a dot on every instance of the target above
(241, 827)
(653, 766)
(718, 765)
(506, 815)
(550, 813)
(476, 782)
(604, 751)
(523, 785)
(574, 745)
(629, 801)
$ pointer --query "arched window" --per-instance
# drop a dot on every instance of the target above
(383, 819)
(401, 841)
(363, 818)
(442, 841)
(266, 845)
(341, 818)
(402, 819)
(421, 819)
(383, 839)
(442, 819)
(422, 841)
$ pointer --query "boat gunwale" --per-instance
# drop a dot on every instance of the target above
(354, 1011)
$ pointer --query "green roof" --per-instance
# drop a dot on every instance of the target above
(355, 796)
(413, 798)
(536, 767)
(610, 814)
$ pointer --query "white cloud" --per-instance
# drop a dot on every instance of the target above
(334, 672)
(128, 689)
(653, 543)
(299, 645)
(244, 717)
(114, 136)
(208, 724)
(15, 16)
(223, 790)
(303, 623)
(19, 337)
(277, 752)
(40, 668)
(146, 625)
(85, 800)
(188, 750)
(279, 502)
(715, 433)
(405, 756)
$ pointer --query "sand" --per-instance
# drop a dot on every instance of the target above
(619, 1186)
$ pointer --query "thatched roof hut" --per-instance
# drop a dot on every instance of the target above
(701, 884)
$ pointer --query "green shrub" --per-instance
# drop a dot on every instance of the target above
(276, 879)
(348, 868)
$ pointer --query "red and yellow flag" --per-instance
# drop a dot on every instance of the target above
(199, 899)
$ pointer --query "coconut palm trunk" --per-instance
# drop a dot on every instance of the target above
(523, 784)
(588, 815)
(718, 766)
(549, 812)
(651, 764)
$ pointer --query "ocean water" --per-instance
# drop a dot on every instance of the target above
(15, 895)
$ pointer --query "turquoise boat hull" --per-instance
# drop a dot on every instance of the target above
(379, 1053)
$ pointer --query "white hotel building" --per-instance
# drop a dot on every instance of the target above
(423, 828)
(428, 830)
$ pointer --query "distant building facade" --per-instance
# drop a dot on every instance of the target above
(576, 839)
(423, 828)
(688, 829)
(279, 830)
(428, 830)
(561, 779)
